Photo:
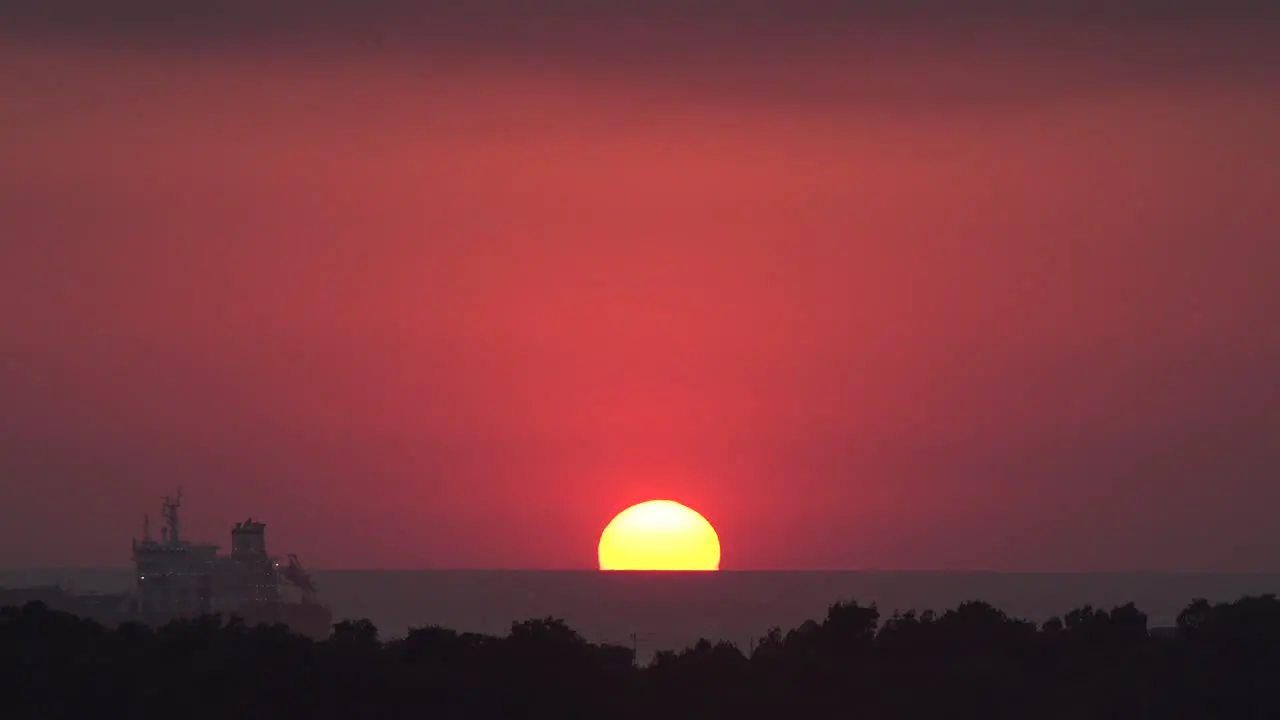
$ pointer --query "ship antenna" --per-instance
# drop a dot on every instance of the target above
(146, 528)
(170, 508)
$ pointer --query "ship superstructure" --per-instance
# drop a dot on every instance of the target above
(174, 577)
(178, 578)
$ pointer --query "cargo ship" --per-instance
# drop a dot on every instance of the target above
(175, 579)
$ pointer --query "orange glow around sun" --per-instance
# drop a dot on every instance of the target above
(659, 535)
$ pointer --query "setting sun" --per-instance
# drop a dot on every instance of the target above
(659, 535)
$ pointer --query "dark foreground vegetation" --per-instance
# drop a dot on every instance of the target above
(1221, 661)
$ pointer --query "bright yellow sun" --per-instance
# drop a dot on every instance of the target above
(659, 535)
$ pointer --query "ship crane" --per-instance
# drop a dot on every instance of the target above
(299, 578)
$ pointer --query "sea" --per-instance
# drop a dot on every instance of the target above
(657, 611)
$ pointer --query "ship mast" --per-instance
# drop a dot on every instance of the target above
(169, 508)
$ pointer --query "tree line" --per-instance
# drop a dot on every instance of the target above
(972, 661)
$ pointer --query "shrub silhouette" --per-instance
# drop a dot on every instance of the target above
(972, 661)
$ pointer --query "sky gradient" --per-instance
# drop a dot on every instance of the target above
(900, 287)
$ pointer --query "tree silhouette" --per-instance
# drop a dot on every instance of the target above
(971, 661)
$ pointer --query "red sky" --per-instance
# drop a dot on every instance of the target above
(895, 290)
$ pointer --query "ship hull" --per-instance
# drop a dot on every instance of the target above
(310, 620)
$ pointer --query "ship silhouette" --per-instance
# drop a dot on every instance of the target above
(175, 579)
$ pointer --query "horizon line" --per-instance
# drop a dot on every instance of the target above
(732, 571)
